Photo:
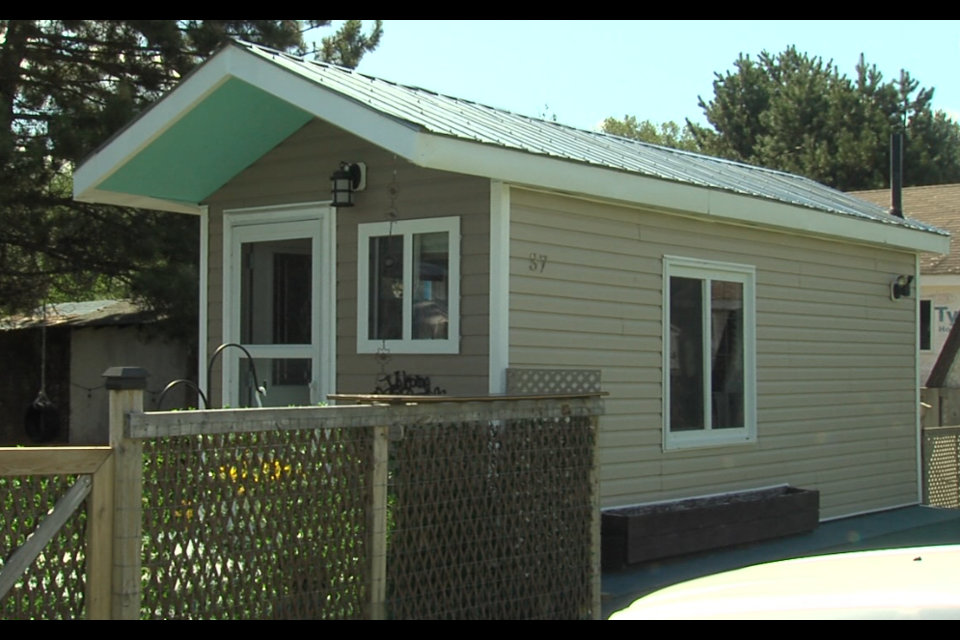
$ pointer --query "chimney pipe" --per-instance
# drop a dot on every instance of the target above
(896, 174)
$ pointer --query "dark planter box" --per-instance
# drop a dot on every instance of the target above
(640, 534)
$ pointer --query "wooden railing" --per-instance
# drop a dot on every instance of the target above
(92, 492)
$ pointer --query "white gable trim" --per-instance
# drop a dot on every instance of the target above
(232, 62)
(147, 128)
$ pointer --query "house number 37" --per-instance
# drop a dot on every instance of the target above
(538, 263)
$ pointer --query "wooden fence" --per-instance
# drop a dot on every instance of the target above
(479, 508)
(66, 557)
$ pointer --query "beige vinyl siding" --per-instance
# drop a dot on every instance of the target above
(298, 170)
(836, 358)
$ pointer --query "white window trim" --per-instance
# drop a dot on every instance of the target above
(408, 228)
(710, 270)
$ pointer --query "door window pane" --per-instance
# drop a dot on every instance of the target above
(276, 298)
(287, 382)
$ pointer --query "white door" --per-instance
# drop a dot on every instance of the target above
(277, 305)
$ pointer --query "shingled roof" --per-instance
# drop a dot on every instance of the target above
(937, 205)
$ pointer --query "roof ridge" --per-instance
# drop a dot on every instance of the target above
(562, 125)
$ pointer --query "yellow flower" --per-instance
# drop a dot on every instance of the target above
(188, 511)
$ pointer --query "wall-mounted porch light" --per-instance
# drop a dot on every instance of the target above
(350, 178)
(900, 287)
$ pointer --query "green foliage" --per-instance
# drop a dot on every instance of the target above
(666, 134)
(66, 86)
(52, 588)
(255, 525)
(800, 114)
(349, 44)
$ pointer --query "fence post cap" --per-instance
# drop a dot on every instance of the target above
(126, 378)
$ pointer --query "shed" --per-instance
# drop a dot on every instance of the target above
(83, 340)
(741, 317)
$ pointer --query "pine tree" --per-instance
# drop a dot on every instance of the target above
(800, 114)
(66, 86)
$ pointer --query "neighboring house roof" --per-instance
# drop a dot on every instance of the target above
(247, 99)
(100, 313)
(937, 205)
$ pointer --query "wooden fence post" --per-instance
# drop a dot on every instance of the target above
(126, 386)
(100, 544)
(378, 523)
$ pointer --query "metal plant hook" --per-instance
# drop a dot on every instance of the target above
(260, 390)
(177, 383)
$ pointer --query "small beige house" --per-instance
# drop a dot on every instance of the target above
(937, 205)
(742, 318)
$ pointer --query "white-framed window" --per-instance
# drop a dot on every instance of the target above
(709, 353)
(408, 297)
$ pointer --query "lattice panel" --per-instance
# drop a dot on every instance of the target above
(53, 587)
(257, 526)
(546, 382)
(943, 471)
(491, 521)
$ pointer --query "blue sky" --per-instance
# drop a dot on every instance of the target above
(584, 71)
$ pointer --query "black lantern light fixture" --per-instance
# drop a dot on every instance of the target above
(350, 178)
(900, 287)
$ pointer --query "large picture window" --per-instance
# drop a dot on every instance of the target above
(409, 286)
(709, 353)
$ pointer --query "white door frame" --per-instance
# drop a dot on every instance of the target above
(305, 220)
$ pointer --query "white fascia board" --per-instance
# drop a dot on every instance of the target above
(96, 196)
(939, 281)
(754, 211)
(520, 168)
(143, 131)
